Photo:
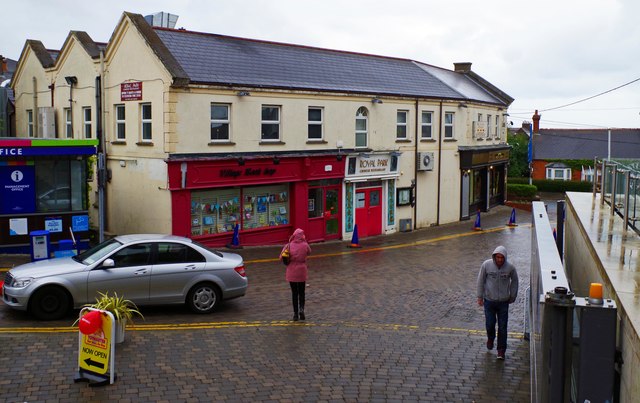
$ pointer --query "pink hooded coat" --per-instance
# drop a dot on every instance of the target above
(299, 250)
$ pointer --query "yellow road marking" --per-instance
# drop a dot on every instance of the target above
(398, 246)
(275, 323)
(220, 325)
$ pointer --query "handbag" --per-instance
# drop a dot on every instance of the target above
(285, 256)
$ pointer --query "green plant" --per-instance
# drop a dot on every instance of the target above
(521, 190)
(122, 309)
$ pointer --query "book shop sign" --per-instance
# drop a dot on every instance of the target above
(131, 91)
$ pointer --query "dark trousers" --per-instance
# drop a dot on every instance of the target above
(497, 310)
(297, 296)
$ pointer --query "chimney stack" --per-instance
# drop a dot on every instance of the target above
(464, 67)
(536, 122)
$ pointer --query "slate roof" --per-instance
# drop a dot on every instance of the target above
(585, 144)
(224, 60)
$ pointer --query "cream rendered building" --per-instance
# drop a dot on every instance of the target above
(206, 134)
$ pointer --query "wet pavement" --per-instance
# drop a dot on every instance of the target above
(395, 320)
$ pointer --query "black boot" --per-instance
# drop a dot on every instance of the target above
(302, 317)
(295, 316)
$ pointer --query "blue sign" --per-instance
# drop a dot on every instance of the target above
(31, 151)
(80, 223)
(17, 189)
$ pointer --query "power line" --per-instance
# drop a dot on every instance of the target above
(591, 97)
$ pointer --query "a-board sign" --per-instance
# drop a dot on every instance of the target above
(96, 352)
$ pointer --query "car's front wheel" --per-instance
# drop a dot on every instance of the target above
(204, 298)
(50, 303)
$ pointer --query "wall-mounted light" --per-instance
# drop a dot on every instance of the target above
(71, 80)
(462, 105)
(276, 161)
(243, 93)
(364, 155)
(240, 161)
(339, 157)
(395, 153)
(376, 101)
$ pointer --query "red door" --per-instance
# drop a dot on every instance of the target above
(368, 212)
(324, 213)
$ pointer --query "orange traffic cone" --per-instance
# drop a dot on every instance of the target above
(477, 226)
(354, 238)
(512, 219)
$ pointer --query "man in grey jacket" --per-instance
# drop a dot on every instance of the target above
(497, 288)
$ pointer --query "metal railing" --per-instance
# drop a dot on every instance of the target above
(572, 339)
(618, 183)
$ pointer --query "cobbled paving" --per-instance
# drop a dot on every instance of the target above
(394, 321)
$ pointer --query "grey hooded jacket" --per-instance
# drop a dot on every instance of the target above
(498, 283)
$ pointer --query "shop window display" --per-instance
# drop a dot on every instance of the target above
(218, 211)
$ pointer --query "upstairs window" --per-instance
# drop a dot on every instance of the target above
(314, 124)
(270, 123)
(401, 125)
(68, 127)
(86, 121)
(489, 131)
(362, 127)
(219, 122)
(120, 123)
(427, 131)
(448, 125)
(145, 122)
(497, 131)
(30, 122)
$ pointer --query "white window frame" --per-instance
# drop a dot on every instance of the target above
(270, 122)
(312, 124)
(426, 125)
(30, 132)
(86, 124)
(68, 124)
(488, 126)
(402, 126)
(121, 125)
(497, 130)
(362, 115)
(146, 122)
(226, 122)
(565, 174)
(449, 122)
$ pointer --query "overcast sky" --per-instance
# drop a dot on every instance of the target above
(545, 53)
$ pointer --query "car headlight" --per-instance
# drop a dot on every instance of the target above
(21, 282)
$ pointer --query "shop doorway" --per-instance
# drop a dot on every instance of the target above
(324, 213)
(369, 212)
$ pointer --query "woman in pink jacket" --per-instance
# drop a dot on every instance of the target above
(297, 270)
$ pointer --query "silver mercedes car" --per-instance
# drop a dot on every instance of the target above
(144, 268)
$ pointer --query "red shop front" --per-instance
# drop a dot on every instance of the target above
(265, 197)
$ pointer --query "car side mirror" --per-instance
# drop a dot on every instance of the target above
(108, 263)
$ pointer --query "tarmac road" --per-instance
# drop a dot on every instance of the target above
(395, 320)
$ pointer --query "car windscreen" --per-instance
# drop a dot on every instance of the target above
(98, 252)
(207, 248)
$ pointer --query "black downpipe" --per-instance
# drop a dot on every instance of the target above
(439, 165)
(414, 201)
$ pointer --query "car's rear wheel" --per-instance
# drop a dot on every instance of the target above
(204, 298)
(50, 303)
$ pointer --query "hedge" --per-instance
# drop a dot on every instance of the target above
(519, 190)
(545, 185)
